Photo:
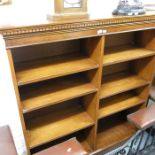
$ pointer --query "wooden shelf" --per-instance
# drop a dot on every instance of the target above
(118, 103)
(119, 54)
(115, 134)
(39, 70)
(120, 82)
(49, 93)
(58, 123)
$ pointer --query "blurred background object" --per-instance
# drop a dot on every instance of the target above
(129, 8)
(149, 5)
(4, 2)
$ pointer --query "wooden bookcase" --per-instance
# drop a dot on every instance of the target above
(82, 87)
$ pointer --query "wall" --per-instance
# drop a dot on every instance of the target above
(22, 10)
(8, 105)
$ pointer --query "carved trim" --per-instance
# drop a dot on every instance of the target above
(54, 36)
(57, 28)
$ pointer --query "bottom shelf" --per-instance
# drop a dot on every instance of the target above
(113, 133)
(81, 136)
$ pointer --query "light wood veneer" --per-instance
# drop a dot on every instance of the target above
(108, 78)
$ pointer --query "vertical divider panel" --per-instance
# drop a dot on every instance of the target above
(9, 52)
(94, 48)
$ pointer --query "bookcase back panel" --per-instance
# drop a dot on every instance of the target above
(119, 39)
(113, 130)
(146, 39)
(112, 69)
(34, 52)
(52, 110)
(143, 38)
(45, 50)
(122, 101)
(139, 67)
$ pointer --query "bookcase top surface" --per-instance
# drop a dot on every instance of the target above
(93, 19)
(17, 33)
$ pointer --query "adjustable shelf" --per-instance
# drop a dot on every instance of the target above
(113, 131)
(48, 93)
(57, 123)
(44, 69)
(118, 54)
(119, 103)
(120, 82)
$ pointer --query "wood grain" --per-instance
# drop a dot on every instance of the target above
(39, 70)
(91, 102)
(66, 120)
(120, 82)
(10, 57)
(53, 92)
(57, 124)
(124, 53)
(118, 103)
(86, 146)
(115, 134)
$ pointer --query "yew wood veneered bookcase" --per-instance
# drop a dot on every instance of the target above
(81, 79)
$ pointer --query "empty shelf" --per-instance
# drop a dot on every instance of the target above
(119, 54)
(39, 70)
(50, 93)
(120, 82)
(115, 134)
(56, 124)
(118, 103)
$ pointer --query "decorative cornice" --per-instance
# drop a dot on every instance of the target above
(60, 28)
